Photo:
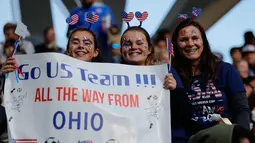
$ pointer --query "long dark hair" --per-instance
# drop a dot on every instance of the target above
(208, 61)
(150, 59)
(94, 59)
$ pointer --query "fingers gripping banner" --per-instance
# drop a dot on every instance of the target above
(64, 100)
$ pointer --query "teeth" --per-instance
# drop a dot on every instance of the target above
(80, 53)
(134, 54)
(191, 50)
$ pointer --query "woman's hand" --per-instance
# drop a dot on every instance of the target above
(8, 66)
(170, 82)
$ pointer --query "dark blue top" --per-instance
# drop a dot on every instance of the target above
(206, 101)
(211, 100)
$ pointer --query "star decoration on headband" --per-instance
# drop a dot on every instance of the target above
(196, 12)
(72, 19)
(127, 17)
(182, 17)
(91, 18)
(141, 16)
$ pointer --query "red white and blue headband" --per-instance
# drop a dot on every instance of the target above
(196, 12)
(127, 17)
(90, 17)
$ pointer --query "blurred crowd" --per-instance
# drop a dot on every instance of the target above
(243, 59)
(108, 35)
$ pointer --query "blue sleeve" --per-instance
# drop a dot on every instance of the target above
(113, 22)
(109, 11)
(177, 78)
(234, 82)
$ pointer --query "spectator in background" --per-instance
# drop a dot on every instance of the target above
(164, 33)
(8, 49)
(160, 45)
(106, 20)
(114, 42)
(161, 52)
(249, 55)
(9, 33)
(243, 68)
(160, 42)
(249, 82)
(49, 44)
(236, 55)
(162, 56)
(248, 37)
(253, 41)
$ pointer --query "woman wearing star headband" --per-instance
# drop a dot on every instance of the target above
(215, 89)
(136, 46)
(136, 49)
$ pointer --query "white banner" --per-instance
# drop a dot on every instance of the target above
(63, 100)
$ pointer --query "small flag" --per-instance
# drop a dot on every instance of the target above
(196, 12)
(127, 17)
(92, 17)
(21, 30)
(73, 19)
(25, 141)
(170, 48)
(141, 16)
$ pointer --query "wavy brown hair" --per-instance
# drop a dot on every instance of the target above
(208, 61)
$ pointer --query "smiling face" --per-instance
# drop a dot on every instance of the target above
(135, 48)
(190, 43)
(82, 46)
